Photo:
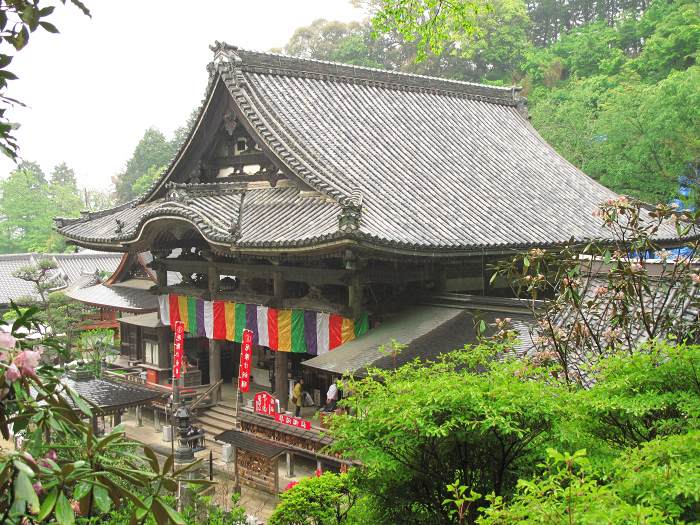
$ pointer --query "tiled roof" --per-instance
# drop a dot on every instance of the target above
(427, 331)
(270, 216)
(74, 269)
(119, 297)
(107, 394)
(422, 163)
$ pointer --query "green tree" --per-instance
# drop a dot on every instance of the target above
(327, 499)
(25, 206)
(145, 181)
(424, 421)
(63, 193)
(152, 151)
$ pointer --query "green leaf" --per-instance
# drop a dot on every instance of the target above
(25, 492)
(49, 27)
(152, 458)
(80, 402)
(102, 499)
(47, 505)
(81, 490)
(64, 511)
(174, 516)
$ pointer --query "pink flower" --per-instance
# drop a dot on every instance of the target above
(291, 485)
(27, 361)
(75, 505)
(7, 341)
(52, 455)
(319, 472)
(38, 488)
(636, 267)
(12, 373)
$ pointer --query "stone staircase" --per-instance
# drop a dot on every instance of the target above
(215, 419)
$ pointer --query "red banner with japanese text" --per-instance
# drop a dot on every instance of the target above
(246, 359)
(179, 347)
(293, 421)
(265, 403)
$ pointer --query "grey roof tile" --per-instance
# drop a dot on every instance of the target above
(74, 270)
(440, 164)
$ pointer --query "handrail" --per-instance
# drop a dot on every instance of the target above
(205, 393)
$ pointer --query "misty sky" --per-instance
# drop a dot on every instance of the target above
(93, 90)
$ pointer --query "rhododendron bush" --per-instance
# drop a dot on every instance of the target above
(43, 479)
(592, 299)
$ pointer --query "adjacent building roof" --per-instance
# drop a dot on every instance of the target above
(149, 320)
(120, 297)
(385, 159)
(74, 270)
(426, 331)
(107, 394)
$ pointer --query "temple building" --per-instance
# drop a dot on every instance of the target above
(313, 202)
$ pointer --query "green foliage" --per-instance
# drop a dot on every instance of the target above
(664, 474)
(28, 204)
(566, 493)
(152, 152)
(145, 181)
(89, 480)
(637, 398)
(327, 499)
(419, 423)
(96, 346)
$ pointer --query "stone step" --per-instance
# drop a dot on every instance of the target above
(212, 424)
(226, 412)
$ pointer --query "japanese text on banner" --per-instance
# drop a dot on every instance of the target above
(246, 358)
(178, 349)
(293, 421)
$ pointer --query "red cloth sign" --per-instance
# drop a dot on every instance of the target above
(293, 421)
(246, 358)
(179, 347)
(265, 403)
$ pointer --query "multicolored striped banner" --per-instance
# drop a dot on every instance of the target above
(282, 330)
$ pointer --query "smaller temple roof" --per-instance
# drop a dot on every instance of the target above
(74, 270)
(426, 330)
(110, 395)
(250, 443)
(149, 320)
(119, 297)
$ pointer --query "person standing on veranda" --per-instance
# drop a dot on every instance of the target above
(297, 396)
(331, 398)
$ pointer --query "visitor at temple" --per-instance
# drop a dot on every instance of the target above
(297, 396)
(331, 398)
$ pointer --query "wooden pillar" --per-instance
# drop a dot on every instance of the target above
(156, 420)
(215, 367)
(440, 279)
(93, 422)
(281, 358)
(139, 416)
(116, 419)
(319, 464)
(213, 281)
(290, 464)
(355, 295)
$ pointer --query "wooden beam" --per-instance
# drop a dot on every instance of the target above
(289, 273)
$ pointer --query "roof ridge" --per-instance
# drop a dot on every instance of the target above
(270, 62)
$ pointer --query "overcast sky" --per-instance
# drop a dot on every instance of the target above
(93, 90)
